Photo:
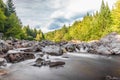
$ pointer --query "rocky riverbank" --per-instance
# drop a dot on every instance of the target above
(19, 50)
(13, 51)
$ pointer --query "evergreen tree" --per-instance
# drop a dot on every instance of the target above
(2, 16)
(116, 17)
(2, 20)
(10, 7)
(90, 28)
(14, 29)
(40, 36)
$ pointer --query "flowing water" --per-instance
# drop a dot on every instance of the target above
(77, 67)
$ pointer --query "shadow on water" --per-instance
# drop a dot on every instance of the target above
(77, 67)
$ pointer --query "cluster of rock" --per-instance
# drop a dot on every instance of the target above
(20, 50)
(13, 51)
(17, 57)
(108, 45)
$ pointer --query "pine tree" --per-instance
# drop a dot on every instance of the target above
(2, 20)
(40, 36)
(10, 7)
(104, 19)
(2, 16)
(14, 29)
(116, 16)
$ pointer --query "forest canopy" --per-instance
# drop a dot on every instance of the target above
(91, 27)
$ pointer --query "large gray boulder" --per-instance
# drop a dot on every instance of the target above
(53, 50)
(4, 47)
(108, 45)
(2, 62)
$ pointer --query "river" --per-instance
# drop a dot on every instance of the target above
(77, 67)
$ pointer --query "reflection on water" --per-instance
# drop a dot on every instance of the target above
(77, 67)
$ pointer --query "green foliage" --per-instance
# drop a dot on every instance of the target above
(10, 7)
(116, 17)
(2, 20)
(14, 26)
(92, 27)
(11, 25)
(40, 36)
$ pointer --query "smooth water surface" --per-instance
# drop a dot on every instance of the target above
(77, 67)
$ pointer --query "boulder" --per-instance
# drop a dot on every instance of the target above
(56, 64)
(39, 60)
(111, 78)
(37, 48)
(2, 62)
(82, 47)
(46, 43)
(18, 57)
(4, 47)
(109, 45)
(70, 47)
(53, 50)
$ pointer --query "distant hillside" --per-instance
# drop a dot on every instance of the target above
(92, 27)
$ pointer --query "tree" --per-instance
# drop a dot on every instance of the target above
(104, 18)
(116, 17)
(2, 16)
(14, 29)
(2, 20)
(91, 27)
(10, 7)
(40, 36)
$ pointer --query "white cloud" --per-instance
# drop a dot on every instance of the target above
(48, 13)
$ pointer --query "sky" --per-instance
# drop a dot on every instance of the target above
(49, 15)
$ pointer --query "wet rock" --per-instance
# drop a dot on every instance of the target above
(82, 47)
(37, 65)
(18, 57)
(70, 47)
(111, 78)
(4, 47)
(2, 62)
(53, 50)
(109, 45)
(39, 55)
(26, 44)
(37, 48)
(46, 43)
(56, 64)
(39, 61)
